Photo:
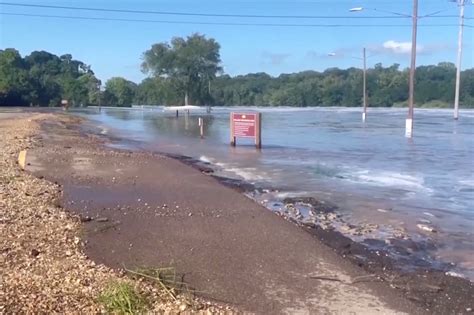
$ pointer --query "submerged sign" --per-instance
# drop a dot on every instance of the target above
(245, 125)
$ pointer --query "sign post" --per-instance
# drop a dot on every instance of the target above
(65, 104)
(246, 125)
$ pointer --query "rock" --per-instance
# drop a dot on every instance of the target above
(345, 228)
(309, 224)
(103, 219)
(34, 252)
(425, 227)
(85, 218)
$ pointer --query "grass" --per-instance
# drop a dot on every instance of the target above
(122, 298)
(164, 277)
(167, 279)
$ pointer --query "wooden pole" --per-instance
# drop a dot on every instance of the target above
(411, 87)
(232, 136)
(258, 131)
(364, 86)
(458, 64)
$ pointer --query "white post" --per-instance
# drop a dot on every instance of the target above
(411, 87)
(458, 66)
(201, 127)
(364, 113)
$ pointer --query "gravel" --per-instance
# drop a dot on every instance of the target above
(43, 266)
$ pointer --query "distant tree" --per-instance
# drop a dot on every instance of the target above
(119, 92)
(185, 66)
(14, 82)
(189, 63)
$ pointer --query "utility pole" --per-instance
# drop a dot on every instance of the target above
(411, 88)
(364, 113)
(208, 109)
(458, 66)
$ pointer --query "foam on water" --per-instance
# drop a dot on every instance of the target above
(205, 159)
(467, 182)
(249, 174)
(391, 179)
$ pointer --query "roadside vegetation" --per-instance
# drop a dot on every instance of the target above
(122, 298)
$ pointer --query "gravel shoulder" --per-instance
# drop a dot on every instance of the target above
(43, 264)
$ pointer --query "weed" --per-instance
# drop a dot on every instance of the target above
(122, 298)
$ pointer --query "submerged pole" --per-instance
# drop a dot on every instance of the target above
(364, 113)
(458, 66)
(411, 87)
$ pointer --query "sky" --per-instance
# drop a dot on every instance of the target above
(115, 48)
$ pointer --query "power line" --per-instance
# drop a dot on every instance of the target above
(216, 23)
(212, 14)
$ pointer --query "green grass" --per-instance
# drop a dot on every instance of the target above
(122, 298)
(164, 277)
(167, 279)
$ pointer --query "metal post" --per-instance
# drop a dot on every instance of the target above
(258, 131)
(458, 66)
(232, 136)
(364, 113)
(411, 88)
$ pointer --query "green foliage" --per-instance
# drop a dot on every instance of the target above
(43, 79)
(188, 64)
(122, 298)
(184, 67)
(119, 92)
(387, 86)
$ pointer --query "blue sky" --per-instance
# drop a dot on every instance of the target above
(114, 48)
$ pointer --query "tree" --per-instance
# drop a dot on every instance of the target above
(188, 63)
(119, 92)
(14, 84)
(43, 79)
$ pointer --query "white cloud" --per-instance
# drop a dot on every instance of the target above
(400, 47)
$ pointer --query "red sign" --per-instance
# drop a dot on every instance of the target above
(244, 125)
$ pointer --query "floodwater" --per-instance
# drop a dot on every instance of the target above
(370, 170)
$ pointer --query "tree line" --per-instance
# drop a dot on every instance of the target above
(44, 79)
(187, 71)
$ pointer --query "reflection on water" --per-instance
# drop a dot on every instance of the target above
(331, 154)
